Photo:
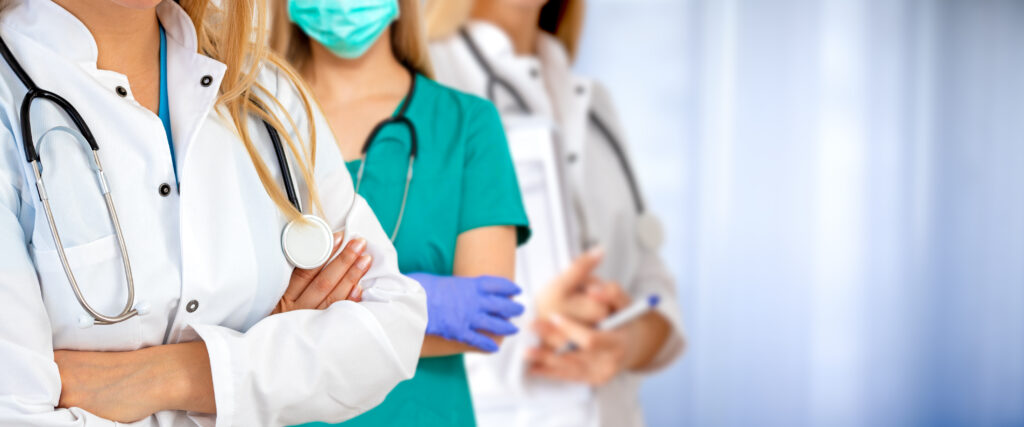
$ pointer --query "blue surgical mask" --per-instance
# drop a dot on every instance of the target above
(346, 27)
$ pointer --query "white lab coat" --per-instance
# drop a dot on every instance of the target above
(601, 209)
(216, 244)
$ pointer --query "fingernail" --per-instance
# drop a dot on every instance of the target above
(337, 239)
(557, 319)
(363, 262)
(355, 292)
(359, 245)
(596, 251)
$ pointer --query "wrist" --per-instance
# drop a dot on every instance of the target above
(181, 375)
(644, 339)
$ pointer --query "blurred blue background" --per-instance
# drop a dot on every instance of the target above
(842, 182)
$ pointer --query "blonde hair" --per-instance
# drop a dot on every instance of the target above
(561, 18)
(228, 33)
(408, 38)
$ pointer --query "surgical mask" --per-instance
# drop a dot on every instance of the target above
(346, 27)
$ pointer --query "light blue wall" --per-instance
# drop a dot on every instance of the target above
(843, 187)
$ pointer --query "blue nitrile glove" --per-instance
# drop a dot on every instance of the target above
(460, 308)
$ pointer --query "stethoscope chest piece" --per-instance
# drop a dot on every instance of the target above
(649, 232)
(307, 243)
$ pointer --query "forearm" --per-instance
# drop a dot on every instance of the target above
(127, 386)
(189, 371)
(646, 336)
(435, 346)
(178, 376)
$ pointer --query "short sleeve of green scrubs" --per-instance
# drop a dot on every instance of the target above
(490, 192)
(463, 178)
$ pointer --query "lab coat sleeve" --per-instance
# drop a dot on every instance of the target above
(652, 276)
(30, 385)
(323, 365)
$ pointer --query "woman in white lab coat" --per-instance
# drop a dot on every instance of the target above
(519, 54)
(176, 96)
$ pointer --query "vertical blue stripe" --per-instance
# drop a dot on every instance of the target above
(164, 111)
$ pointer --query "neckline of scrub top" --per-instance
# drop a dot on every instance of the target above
(163, 110)
(401, 108)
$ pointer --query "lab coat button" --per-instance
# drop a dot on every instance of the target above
(580, 89)
(121, 91)
(192, 306)
(571, 157)
(164, 189)
(534, 73)
(206, 80)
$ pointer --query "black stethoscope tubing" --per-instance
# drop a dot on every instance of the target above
(400, 118)
(494, 82)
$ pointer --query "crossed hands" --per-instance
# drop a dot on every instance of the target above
(569, 311)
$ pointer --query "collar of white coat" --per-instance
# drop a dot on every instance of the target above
(495, 43)
(569, 92)
(61, 32)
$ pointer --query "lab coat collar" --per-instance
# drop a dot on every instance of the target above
(40, 19)
(553, 54)
(491, 39)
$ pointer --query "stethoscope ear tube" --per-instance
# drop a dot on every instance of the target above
(26, 121)
(286, 170)
(493, 80)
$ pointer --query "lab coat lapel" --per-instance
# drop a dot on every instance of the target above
(570, 97)
(193, 82)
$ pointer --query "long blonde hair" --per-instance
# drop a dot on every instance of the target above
(561, 18)
(228, 33)
(408, 38)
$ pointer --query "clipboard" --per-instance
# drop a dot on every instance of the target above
(537, 157)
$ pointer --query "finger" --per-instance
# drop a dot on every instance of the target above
(587, 309)
(357, 294)
(573, 278)
(613, 294)
(326, 280)
(498, 286)
(480, 341)
(583, 336)
(494, 325)
(550, 336)
(561, 367)
(348, 282)
(502, 306)
(301, 277)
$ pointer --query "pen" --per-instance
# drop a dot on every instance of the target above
(636, 309)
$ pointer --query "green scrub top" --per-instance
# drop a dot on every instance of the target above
(463, 179)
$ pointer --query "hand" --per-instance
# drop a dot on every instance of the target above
(578, 295)
(131, 385)
(460, 308)
(599, 355)
(318, 288)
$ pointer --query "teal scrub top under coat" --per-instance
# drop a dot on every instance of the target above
(463, 179)
(164, 109)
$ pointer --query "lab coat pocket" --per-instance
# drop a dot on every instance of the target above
(99, 271)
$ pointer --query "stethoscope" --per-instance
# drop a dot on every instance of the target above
(648, 227)
(306, 242)
(399, 118)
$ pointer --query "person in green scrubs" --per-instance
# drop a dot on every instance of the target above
(461, 213)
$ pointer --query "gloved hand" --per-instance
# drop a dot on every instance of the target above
(460, 308)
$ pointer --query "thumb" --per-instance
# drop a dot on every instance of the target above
(575, 277)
